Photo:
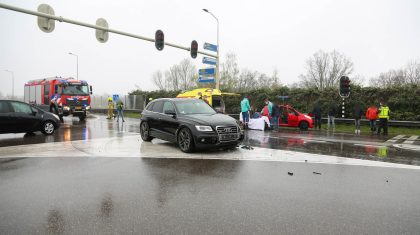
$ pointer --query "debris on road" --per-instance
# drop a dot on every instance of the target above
(290, 173)
(316, 173)
(248, 147)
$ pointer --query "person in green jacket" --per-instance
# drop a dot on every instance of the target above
(245, 107)
(270, 106)
(120, 112)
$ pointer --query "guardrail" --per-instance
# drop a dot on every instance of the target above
(364, 121)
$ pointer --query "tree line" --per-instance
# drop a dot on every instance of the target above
(322, 71)
(400, 88)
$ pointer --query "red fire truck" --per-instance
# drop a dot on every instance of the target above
(62, 96)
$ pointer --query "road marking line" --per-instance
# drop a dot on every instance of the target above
(395, 139)
(408, 146)
(370, 145)
(411, 139)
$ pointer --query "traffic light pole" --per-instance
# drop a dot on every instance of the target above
(70, 21)
(343, 104)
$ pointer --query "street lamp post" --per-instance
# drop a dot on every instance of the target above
(218, 49)
(13, 82)
(77, 64)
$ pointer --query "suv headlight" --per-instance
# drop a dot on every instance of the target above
(203, 128)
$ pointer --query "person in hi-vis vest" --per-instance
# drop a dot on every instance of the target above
(383, 114)
(110, 108)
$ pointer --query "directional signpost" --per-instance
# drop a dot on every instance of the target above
(208, 60)
(206, 72)
(210, 47)
(204, 79)
(206, 75)
(211, 61)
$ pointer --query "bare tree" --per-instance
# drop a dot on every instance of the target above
(247, 80)
(158, 80)
(275, 79)
(180, 76)
(324, 69)
(410, 74)
(187, 73)
(230, 72)
(172, 78)
(264, 81)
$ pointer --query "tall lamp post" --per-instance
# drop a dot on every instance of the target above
(13, 82)
(218, 49)
(77, 64)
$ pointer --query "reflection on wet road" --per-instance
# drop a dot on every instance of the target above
(369, 147)
(196, 196)
(394, 149)
(72, 129)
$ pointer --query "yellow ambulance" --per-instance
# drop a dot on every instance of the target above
(212, 96)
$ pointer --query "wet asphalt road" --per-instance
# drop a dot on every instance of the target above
(158, 195)
(366, 146)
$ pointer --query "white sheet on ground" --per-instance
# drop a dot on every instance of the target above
(257, 123)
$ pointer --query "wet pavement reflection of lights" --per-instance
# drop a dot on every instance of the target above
(67, 134)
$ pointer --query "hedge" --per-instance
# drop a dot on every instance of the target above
(404, 102)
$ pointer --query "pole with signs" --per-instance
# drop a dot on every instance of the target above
(206, 60)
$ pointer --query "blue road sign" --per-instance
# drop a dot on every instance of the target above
(115, 98)
(204, 79)
(206, 72)
(208, 60)
(210, 47)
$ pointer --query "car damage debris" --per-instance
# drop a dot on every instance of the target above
(247, 147)
(290, 173)
(316, 173)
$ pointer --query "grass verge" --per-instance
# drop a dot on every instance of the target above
(132, 115)
(346, 128)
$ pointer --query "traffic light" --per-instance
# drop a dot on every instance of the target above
(347, 86)
(194, 49)
(159, 40)
(344, 86)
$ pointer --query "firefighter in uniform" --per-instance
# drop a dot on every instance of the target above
(383, 114)
(110, 108)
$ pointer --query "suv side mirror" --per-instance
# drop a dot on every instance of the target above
(34, 111)
(170, 112)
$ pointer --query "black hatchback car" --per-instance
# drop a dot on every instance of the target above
(20, 117)
(191, 123)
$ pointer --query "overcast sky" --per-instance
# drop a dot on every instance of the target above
(377, 35)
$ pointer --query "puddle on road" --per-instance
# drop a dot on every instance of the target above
(314, 143)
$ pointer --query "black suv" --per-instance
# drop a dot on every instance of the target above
(20, 117)
(191, 123)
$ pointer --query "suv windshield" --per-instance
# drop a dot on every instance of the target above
(75, 90)
(193, 106)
